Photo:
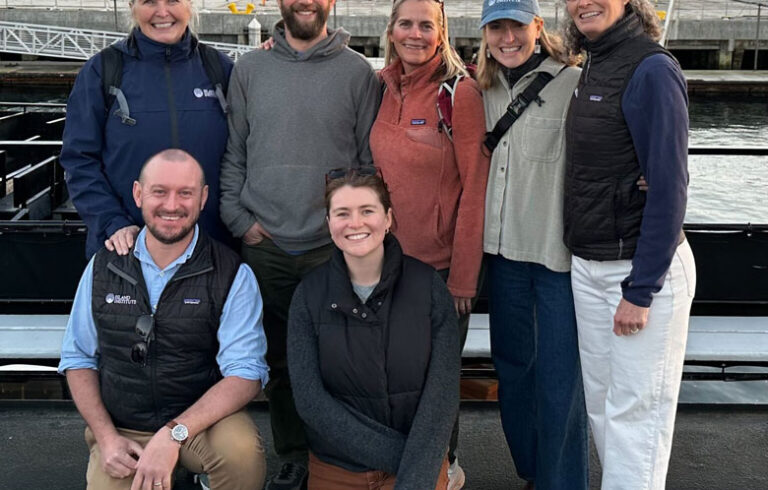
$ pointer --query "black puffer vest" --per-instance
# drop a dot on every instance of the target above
(373, 356)
(603, 205)
(181, 363)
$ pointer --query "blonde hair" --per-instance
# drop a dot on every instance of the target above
(194, 17)
(646, 12)
(451, 66)
(488, 67)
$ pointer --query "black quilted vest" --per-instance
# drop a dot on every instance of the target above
(373, 356)
(603, 206)
(181, 363)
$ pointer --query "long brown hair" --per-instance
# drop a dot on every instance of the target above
(488, 67)
(452, 64)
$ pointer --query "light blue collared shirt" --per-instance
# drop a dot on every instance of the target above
(242, 344)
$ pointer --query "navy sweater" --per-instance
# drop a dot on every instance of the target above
(655, 107)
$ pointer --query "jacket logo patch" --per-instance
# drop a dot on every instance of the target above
(595, 98)
(119, 299)
(418, 122)
(191, 301)
(204, 92)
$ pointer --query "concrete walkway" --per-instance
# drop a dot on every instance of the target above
(41, 448)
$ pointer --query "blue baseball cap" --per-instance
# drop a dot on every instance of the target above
(522, 11)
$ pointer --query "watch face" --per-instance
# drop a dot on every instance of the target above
(180, 433)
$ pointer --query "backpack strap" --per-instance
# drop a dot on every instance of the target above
(215, 72)
(111, 80)
(111, 73)
(446, 96)
(516, 109)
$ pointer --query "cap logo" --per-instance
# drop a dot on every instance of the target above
(491, 3)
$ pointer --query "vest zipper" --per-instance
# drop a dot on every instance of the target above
(171, 102)
(589, 63)
(155, 395)
(177, 277)
(621, 247)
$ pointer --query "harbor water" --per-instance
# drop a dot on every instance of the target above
(723, 189)
(728, 189)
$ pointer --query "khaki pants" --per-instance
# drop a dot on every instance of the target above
(230, 452)
(325, 476)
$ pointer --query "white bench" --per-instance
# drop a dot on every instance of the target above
(710, 338)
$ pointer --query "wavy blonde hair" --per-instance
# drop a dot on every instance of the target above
(646, 12)
(194, 16)
(452, 64)
(488, 67)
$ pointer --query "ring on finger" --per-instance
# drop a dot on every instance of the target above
(634, 330)
(157, 484)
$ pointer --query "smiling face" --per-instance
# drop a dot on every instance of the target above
(164, 21)
(594, 17)
(415, 32)
(358, 222)
(510, 42)
(171, 194)
(305, 19)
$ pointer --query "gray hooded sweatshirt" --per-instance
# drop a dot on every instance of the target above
(293, 117)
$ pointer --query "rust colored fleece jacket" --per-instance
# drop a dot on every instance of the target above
(437, 187)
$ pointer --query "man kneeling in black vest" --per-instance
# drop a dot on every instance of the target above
(165, 346)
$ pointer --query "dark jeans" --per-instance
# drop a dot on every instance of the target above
(463, 328)
(278, 274)
(534, 346)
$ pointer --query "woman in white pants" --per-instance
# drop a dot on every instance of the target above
(632, 273)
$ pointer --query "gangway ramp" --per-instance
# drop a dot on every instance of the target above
(72, 43)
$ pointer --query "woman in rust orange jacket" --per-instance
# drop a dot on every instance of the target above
(436, 172)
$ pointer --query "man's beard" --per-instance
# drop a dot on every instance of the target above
(299, 29)
(169, 238)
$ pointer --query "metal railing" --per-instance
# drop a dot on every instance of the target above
(686, 9)
(71, 43)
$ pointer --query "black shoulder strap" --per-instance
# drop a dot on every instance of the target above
(111, 73)
(516, 109)
(215, 72)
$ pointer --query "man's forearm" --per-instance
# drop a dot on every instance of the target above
(84, 386)
(222, 399)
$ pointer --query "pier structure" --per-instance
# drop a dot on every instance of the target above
(715, 34)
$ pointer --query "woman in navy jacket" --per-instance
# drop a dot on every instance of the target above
(170, 103)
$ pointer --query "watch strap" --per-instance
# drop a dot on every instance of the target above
(171, 424)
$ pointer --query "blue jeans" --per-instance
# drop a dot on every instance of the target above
(535, 350)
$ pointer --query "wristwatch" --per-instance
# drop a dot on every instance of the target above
(179, 432)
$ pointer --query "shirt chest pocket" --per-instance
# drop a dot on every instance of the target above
(542, 139)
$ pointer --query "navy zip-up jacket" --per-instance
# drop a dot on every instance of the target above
(174, 105)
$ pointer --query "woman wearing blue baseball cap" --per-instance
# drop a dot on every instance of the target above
(533, 325)
(633, 271)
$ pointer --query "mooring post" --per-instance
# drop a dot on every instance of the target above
(757, 36)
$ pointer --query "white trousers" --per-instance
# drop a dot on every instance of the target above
(632, 382)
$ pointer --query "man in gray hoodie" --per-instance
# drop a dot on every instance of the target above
(296, 111)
